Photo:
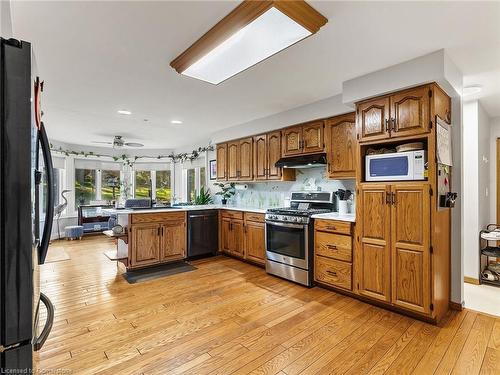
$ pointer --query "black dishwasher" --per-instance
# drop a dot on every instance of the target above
(203, 238)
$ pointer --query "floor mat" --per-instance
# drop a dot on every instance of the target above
(157, 272)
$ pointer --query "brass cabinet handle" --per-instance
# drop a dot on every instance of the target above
(393, 122)
(332, 247)
(388, 196)
(387, 125)
(393, 200)
(332, 273)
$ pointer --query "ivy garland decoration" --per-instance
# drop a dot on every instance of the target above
(130, 161)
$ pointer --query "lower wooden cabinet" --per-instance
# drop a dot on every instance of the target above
(161, 240)
(145, 244)
(255, 238)
(232, 234)
(333, 253)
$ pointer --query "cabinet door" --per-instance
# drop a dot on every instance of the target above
(145, 244)
(273, 155)
(237, 238)
(173, 243)
(292, 141)
(222, 161)
(373, 119)
(233, 151)
(312, 135)
(374, 271)
(245, 170)
(260, 157)
(410, 112)
(410, 237)
(255, 246)
(340, 133)
(225, 235)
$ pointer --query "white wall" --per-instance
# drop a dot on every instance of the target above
(476, 152)
(5, 19)
(494, 134)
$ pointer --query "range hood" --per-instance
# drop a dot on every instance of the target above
(303, 161)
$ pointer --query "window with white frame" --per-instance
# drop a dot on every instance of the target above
(153, 179)
(96, 181)
(193, 179)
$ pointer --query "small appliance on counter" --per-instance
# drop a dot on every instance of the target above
(290, 236)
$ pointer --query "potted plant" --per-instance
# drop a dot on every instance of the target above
(227, 191)
(203, 197)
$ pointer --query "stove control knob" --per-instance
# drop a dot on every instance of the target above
(285, 218)
(295, 219)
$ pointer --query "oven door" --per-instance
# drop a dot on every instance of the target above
(287, 243)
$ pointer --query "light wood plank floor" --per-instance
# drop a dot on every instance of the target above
(229, 317)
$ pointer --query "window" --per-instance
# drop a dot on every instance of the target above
(110, 185)
(191, 184)
(85, 186)
(203, 177)
(142, 184)
(163, 186)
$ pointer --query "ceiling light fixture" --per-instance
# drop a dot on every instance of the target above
(252, 32)
(176, 122)
(471, 90)
(124, 112)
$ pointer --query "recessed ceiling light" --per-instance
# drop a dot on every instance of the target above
(176, 122)
(252, 32)
(124, 112)
(471, 90)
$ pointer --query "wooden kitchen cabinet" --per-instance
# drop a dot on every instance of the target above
(232, 233)
(145, 244)
(340, 136)
(221, 155)
(255, 241)
(157, 238)
(245, 162)
(303, 139)
(273, 149)
(173, 241)
(374, 258)
(410, 241)
(402, 114)
(233, 156)
(292, 141)
(260, 153)
(312, 135)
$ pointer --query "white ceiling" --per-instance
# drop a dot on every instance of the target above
(99, 57)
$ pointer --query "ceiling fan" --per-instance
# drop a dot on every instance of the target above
(118, 142)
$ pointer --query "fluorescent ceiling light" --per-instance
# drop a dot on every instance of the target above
(262, 38)
(176, 122)
(124, 112)
(471, 90)
(251, 33)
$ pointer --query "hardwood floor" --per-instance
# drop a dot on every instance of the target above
(229, 317)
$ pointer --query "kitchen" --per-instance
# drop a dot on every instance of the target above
(312, 237)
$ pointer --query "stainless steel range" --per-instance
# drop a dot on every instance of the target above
(290, 235)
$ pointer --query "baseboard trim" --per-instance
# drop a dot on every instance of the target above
(471, 280)
(456, 306)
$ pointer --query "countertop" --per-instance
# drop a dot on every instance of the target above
(186, 208)
(335, 216)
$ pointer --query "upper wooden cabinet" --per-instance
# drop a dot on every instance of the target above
(340, 142)
(233, 157)
(260, 157)
(221, 155)
(245, 170)
(303, 139)
(405, 113)
(273, 155)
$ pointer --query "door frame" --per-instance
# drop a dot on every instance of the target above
(498, 180)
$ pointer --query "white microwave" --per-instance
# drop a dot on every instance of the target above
(397, 166)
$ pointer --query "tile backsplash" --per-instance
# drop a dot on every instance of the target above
(273, 194)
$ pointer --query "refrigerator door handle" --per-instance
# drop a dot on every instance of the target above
(49, 206)
(48, 324)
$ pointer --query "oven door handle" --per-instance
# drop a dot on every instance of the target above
(286, 225)
(48, 324)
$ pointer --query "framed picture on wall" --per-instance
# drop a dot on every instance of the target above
(212, 164)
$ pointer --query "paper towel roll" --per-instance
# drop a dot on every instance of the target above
(241, 187)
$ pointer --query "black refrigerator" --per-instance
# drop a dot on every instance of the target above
(23, 179)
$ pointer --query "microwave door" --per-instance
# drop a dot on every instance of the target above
(389, 168)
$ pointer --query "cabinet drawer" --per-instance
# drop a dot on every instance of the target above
(157, 217)
(331, 245)
(334, 226)
(232, 214)
(252, 216)
(333, 272)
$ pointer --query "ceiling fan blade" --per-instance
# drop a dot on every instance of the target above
(101, 142)
(133, 144)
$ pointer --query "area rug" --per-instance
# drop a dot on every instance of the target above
(157, 272)
(56, 254)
